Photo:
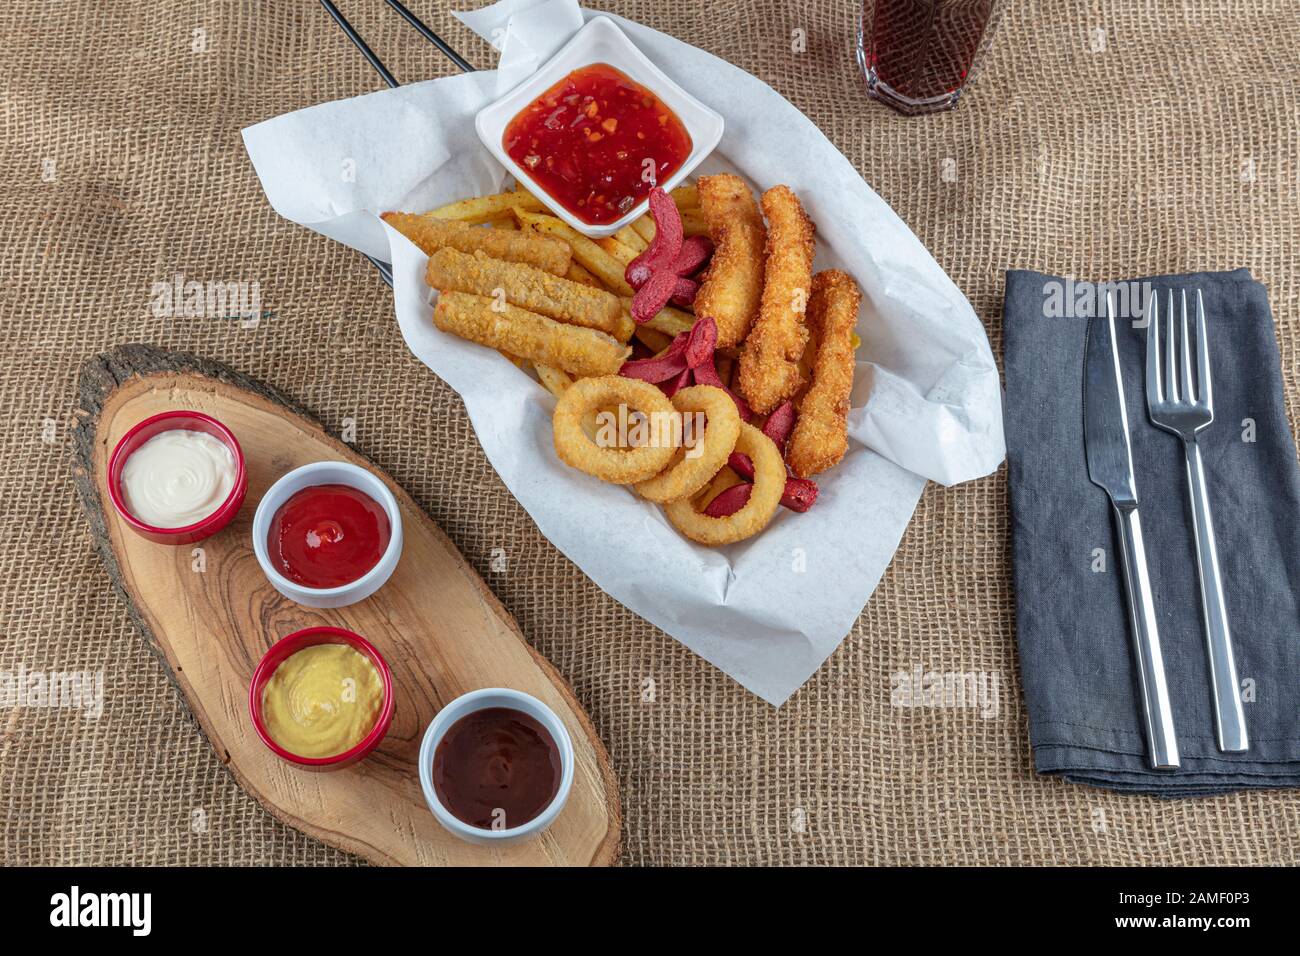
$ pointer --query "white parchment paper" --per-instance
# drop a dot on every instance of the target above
(926, 403)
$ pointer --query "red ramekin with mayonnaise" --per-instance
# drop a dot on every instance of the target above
(175, 489)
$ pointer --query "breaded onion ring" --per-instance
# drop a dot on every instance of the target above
(764, 498)
(618, 464)
(693, 469)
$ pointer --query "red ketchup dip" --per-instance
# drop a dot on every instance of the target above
(597, 142)
(496, 768)
(326, 536)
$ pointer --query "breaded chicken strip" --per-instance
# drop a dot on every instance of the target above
(569, 348)
(821, 432)
(453, 271)
(769, 364)
(430, 234)
(733, 284)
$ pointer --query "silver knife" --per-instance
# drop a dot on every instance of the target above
(1110, 466)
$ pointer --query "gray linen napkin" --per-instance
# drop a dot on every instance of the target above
(1073, 632)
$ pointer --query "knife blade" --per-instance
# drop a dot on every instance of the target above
(1110, 467)
(1105, 419)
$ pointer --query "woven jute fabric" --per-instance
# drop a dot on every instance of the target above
(1100, 140)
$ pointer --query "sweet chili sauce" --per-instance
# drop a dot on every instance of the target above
(597, 142)
(326, 536)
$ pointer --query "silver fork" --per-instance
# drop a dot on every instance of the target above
(1183, 404)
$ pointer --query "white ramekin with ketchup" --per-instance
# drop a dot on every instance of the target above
(328, 534)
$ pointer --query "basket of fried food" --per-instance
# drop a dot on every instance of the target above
(694, 355)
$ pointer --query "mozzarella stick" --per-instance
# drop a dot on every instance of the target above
(820, 435)
(453, 271)
(544, 341)
(432, 234)
(769, 365)
(733, 284)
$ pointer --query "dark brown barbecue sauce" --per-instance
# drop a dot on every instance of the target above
(496, 768)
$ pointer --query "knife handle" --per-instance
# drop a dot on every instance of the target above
(1157, 711)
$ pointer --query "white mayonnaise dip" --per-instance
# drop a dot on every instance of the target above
(177, 477)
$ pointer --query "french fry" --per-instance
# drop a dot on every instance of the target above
(725, 365)
(668, 320)
(671, 320)
(480, 209)
(693, 223)
(619, 250)
(600, 263)
(577, 273)
(688, 202)
(723, 480)
(544, 252)
(654, 340)
(645, 228)
(555, 380)
(686, 196)
(630, 237)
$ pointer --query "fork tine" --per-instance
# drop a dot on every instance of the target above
(1185, 355)
(1154, 391)
(1171, 353)
(1203, 386)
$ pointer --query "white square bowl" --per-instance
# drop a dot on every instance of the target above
(599, 41)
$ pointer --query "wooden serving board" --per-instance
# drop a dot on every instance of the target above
(436, 623)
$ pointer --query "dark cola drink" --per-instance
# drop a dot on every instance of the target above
(917, 55)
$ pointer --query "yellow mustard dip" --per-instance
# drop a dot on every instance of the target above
(322, 700)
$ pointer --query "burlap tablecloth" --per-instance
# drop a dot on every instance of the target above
(1104, 139)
